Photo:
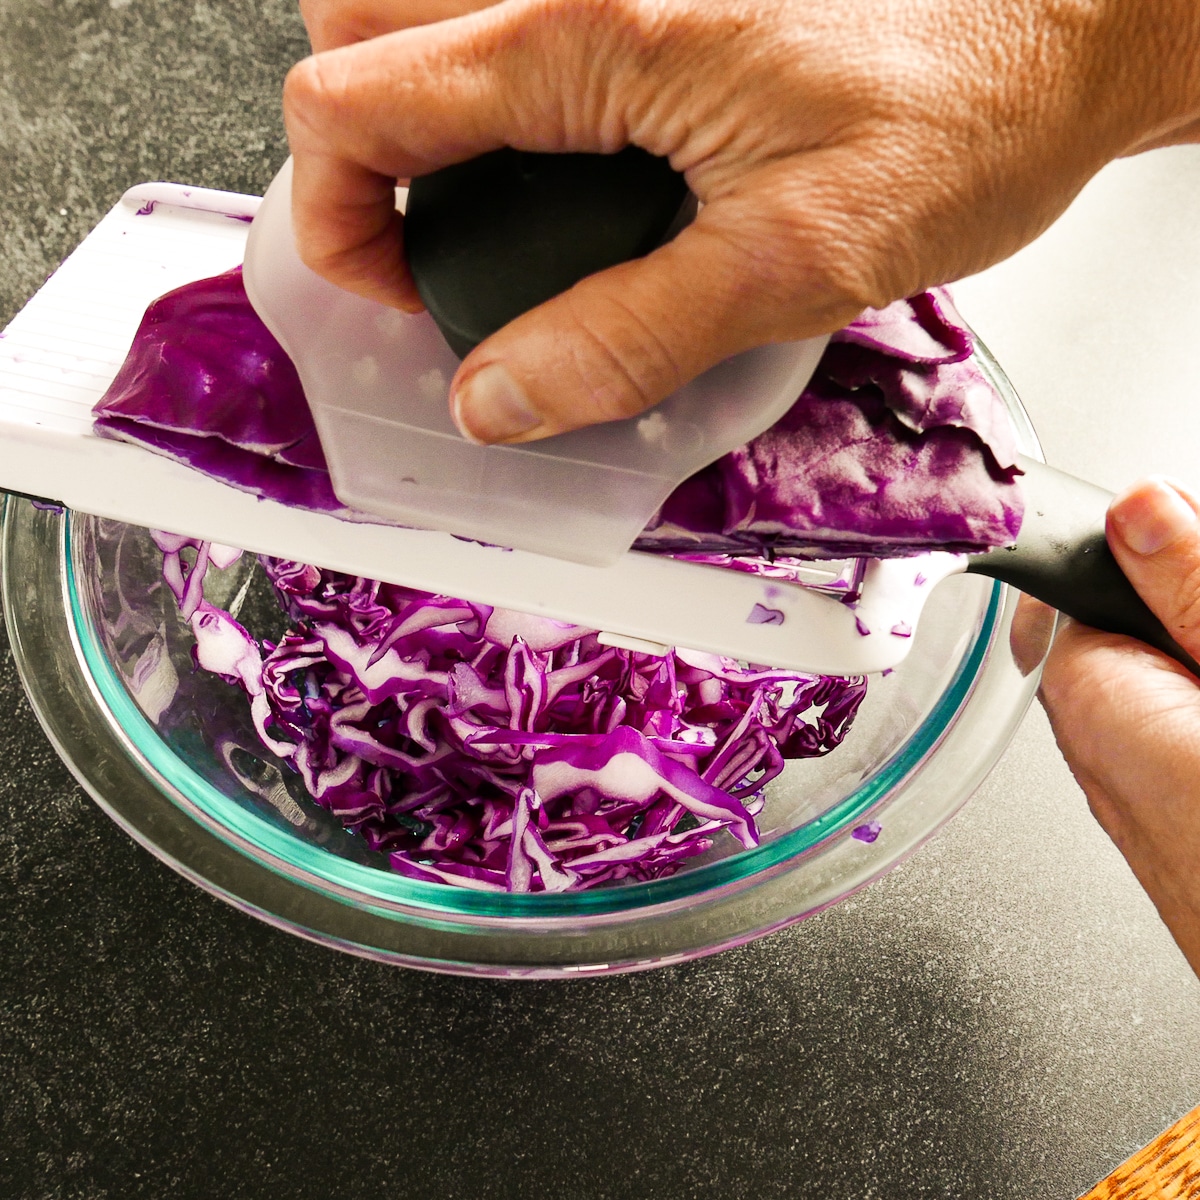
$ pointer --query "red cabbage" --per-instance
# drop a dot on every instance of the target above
(494, 750)
(842, 474)
(207, 384)
(186, 578)
(899, 443)
(867, 833)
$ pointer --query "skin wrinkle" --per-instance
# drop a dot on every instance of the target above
(603, 31)
(668, 368)
(603, 109)
(743, 277)
(618, 406)
(793, 43)
(530, 130)
(877, 230)
(316, 94)
(651, 111)
(761, 280)
(376, 254)
(690, 94)
(1184, 621)
(462, 81)
(793, 242)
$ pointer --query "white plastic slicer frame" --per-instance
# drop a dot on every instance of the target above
(62, 350)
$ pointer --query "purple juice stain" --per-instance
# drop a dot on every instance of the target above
(902, 629)
(920, 580)
(759, 615)
(771, 591)
(887, 670)
(238, 217)
(868, 832)
(863, 628)
(146, 209)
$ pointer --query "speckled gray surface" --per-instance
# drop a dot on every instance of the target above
(1002, 1017)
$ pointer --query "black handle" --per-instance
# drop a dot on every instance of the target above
(1062, 558)
(493, 237)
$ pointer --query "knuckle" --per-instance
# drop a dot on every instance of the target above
(301, 85)
(313, 92)
(812, 267)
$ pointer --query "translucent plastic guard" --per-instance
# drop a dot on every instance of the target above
(378, 383)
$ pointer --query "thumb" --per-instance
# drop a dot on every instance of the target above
(1154, 533)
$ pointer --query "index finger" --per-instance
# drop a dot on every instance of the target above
(363, 116)
(334, 23)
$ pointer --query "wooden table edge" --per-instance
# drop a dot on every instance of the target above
(1167, 1169)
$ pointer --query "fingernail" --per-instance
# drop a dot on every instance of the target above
(1151, 515)
(490, 406)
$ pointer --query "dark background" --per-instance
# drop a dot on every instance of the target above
(1004, 1016)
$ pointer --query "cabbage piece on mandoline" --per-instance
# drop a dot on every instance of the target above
(899, 443)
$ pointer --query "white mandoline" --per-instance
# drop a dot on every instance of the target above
(62, 350)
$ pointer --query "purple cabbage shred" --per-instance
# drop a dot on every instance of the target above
(760, 614)
(484, 748)
(867, 833)
(487, 749)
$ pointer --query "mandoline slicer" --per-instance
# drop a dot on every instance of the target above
(62, 350)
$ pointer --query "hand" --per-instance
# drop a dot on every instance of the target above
(1127, 717)
(846, 155)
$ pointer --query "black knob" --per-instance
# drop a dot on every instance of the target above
(496, 236)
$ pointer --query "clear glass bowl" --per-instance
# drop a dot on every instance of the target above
(171, 755)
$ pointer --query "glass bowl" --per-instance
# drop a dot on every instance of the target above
(171, 755)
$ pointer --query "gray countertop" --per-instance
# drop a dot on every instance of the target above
(1004, 1016)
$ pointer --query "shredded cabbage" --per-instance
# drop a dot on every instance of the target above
(494, 750)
